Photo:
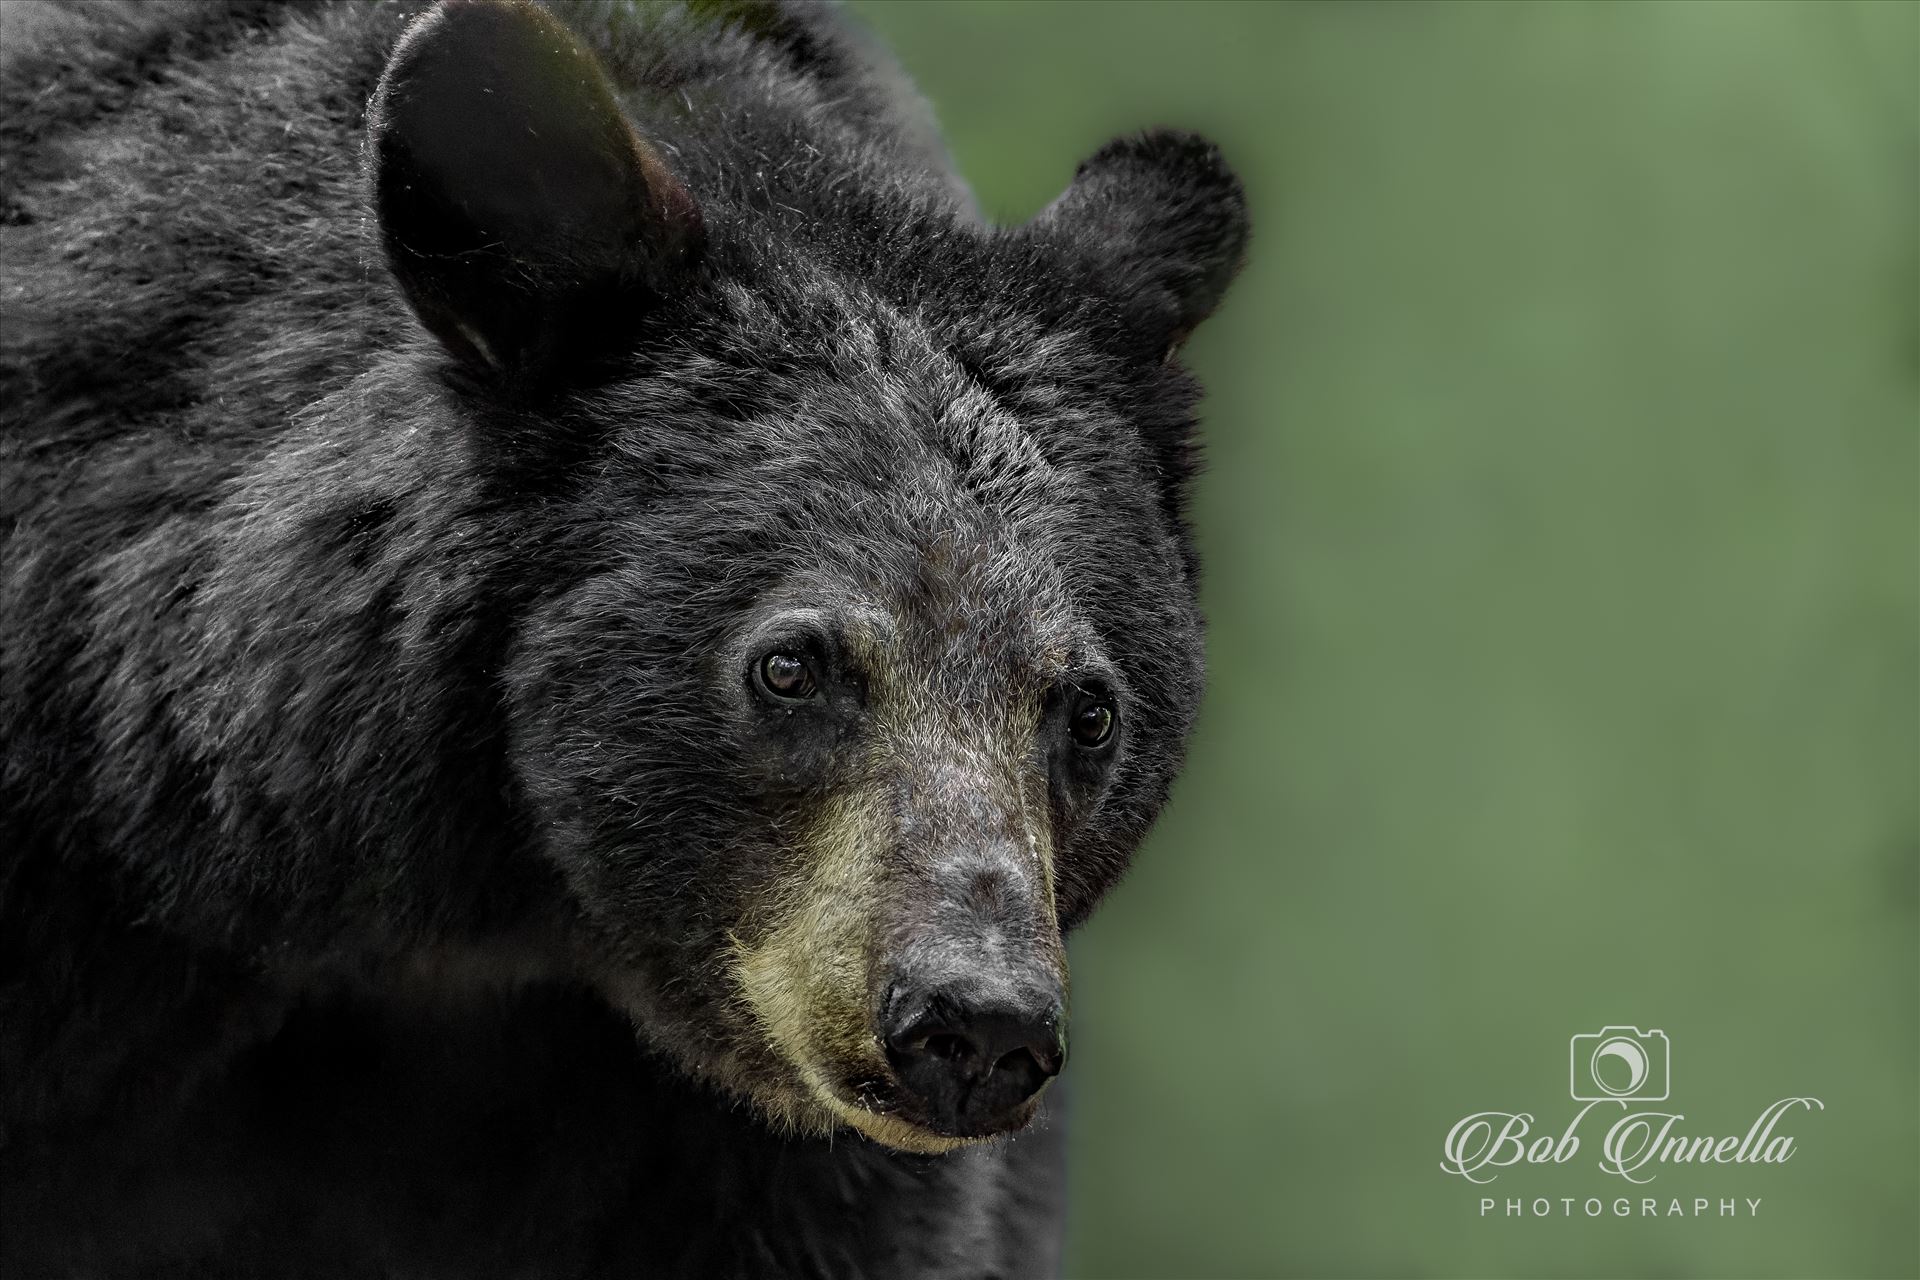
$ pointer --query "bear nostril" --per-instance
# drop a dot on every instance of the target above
(1016, 1060)
(951, 1047)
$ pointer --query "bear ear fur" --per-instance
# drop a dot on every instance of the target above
(1167, 219)
(525, 220)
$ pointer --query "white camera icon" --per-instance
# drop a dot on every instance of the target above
(1621, 1064)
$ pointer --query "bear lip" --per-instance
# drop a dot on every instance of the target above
(889, 1119)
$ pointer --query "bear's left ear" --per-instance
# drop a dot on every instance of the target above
(1169, 220)
(526, 221)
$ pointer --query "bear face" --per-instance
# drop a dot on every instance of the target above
(869, 644)
(899, 716)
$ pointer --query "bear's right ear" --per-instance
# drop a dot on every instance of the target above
(1166, 219)
(526, 221)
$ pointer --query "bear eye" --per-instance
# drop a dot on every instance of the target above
(1093, 721)
(784, 677)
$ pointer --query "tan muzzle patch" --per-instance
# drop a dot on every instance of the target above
(806, 979)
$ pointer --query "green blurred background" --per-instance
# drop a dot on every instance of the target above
(1563, 572)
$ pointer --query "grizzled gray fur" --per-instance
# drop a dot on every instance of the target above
(575, 630)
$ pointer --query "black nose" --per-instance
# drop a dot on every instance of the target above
(971, 1063)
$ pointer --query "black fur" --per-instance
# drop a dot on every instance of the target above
(362, 728)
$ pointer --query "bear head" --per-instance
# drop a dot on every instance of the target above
(867, 645)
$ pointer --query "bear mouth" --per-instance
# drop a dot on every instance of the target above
(873, 1106)
(870, 1100)
(865, 1113)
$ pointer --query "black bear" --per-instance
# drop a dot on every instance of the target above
(575, 629)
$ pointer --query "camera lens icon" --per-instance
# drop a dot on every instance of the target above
(1620, 1064)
